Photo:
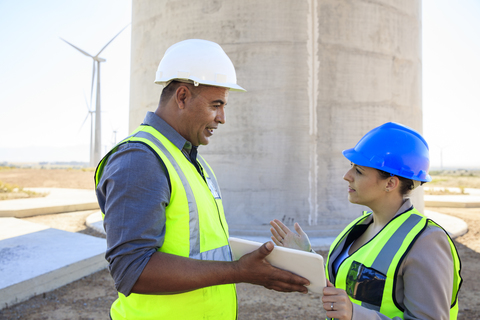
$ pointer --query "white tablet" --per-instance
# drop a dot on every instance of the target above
(306, 264)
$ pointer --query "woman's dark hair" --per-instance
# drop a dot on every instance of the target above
(406, 185)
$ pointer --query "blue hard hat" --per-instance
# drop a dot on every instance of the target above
(393, 148)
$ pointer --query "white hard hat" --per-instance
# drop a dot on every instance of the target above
(201, 61)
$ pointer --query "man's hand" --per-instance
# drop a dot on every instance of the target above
(253, 268)
(284, 237)
(170, 274)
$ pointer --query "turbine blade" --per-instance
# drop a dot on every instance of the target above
(85, 53)
(88, 113)
(86, 102)
(112, 40)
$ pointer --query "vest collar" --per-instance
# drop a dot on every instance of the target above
(152, 120)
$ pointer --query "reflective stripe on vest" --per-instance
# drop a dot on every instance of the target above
(222, 253)
(216, 302)
(369, 274)
(192, 205)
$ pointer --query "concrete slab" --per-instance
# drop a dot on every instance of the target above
(460, 198)
(35, 259)
(455, 227)
(95, 221)
(452, 201)
(12, 227)
(57, 201)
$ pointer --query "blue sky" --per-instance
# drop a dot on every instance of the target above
(451, 81)
(44, 81)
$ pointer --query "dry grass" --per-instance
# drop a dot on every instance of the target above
(12, 191)
(14, 181)
(455, 181)
(460, 179)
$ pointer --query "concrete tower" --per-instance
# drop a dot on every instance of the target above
(319, 75)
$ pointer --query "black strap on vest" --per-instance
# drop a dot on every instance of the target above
(193, 159)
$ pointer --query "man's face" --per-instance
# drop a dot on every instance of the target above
(203, 113)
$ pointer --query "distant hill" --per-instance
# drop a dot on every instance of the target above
(79, 153)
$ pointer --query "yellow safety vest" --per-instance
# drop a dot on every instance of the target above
(369, 275)
(195, 228)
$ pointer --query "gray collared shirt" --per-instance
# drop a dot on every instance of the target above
(134, 192)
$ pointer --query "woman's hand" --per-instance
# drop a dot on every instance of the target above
(337, 303)
(284, 237)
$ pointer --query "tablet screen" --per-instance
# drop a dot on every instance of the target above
(306, 264)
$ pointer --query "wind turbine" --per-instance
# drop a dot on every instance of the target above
(98, 111)
(89, 114)
(114, 133)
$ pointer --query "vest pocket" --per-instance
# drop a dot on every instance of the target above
(365, 284)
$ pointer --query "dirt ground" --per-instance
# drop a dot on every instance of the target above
(91, 297)
(53, 178)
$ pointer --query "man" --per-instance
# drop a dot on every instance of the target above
(167, 237)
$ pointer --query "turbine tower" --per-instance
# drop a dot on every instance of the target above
(95, 159)
(89, 114)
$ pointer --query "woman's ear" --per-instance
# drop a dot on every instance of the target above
(392, 183)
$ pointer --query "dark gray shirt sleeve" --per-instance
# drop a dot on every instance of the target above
(133, 193)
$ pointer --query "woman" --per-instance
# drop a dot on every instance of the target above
(392, 262)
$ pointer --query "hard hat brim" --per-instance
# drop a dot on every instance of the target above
(357, 158)
(231, 86)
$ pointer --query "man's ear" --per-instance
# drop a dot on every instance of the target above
(181, 96)
(392, 183)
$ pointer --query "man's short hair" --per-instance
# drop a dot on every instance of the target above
(172, 87)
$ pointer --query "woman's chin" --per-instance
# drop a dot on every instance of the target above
(353, 200)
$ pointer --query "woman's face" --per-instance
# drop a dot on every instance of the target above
(365, 186)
